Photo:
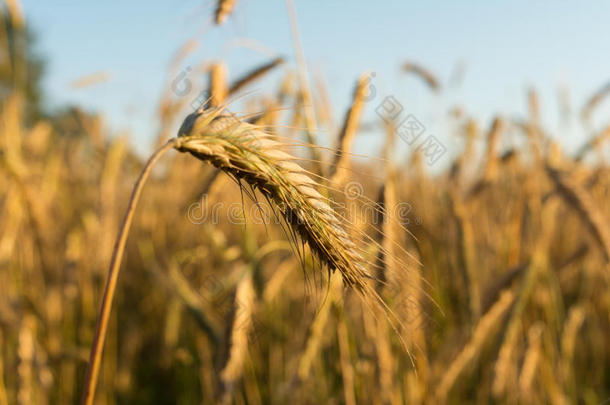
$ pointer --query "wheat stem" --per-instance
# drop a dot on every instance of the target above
(423, 73)
(305, 93)
(253, 75)
(97, 347)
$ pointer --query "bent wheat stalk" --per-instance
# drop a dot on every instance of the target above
(97, 346)
(423, 73)
(470, 350)
(594, 143)
(250, 155)
(585, 206)
(594, 101)
(340, 165)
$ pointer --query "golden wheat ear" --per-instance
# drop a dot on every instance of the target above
(252, 156)
(223, 9)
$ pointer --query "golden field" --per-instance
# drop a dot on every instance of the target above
(485, 283)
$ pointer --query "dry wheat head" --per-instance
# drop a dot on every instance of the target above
(250, 155)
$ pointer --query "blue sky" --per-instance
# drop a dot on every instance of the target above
(506, 47)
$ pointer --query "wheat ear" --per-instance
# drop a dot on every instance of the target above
(223, 9)
(580, 200)
(253, 75)
(423, 73)
(340, 165)
(218, 84)
(594, 101)
(493, 144)
(594, 143)
(252, 156)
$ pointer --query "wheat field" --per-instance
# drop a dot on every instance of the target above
(259, 267)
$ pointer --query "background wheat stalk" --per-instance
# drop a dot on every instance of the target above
(101, 327)
(340, 165)
(253, 75)
(223, 9)
(578, 198)
(426, 75)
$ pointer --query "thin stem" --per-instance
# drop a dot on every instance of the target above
(95, 357)
(308, 108)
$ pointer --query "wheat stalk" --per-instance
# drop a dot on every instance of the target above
(470, 132)
(505, 365)
(242, 323)
(594, 143)
(386, 361)
(575, 319)
(490, 171)
(26, 354)
(594, 101)
(531, 361)
(484, 327)
(493, 144)
(316, 333)
(347, 370)
(533, 102)
(306, 100)
(97, 346)
(3, 396)
(549, 381)
(580, 200)
(218, 84)
(424, 73)
(324, 109)
(15, 13)
(223, 9)
(253, 75)
(340, 165)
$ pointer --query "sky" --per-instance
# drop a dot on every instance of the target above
(504, 46)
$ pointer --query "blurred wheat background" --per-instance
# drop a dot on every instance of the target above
(495, 270)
